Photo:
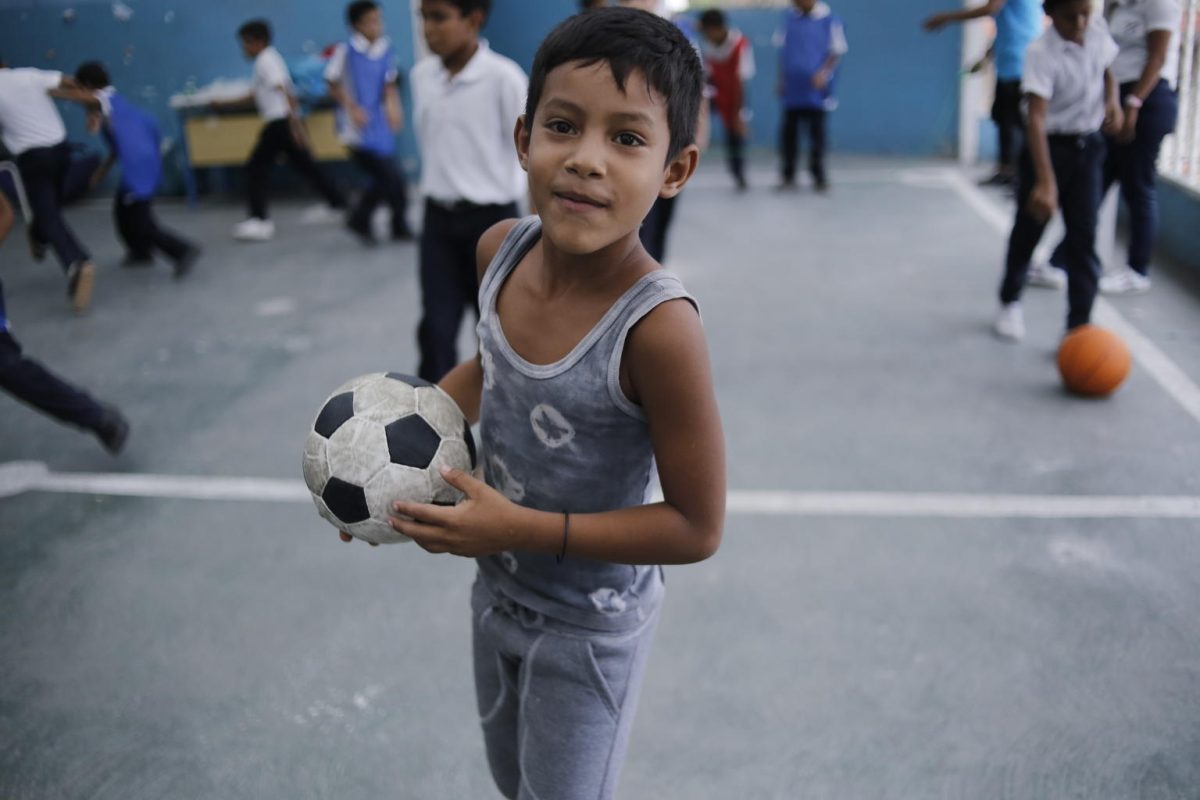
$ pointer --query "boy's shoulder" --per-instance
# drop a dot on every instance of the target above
(501, 65)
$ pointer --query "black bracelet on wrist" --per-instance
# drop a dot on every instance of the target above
(558, 559)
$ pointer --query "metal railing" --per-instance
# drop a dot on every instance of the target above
(1181, 151)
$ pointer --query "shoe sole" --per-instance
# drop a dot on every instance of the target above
(1125, 290)
(1044, 284)
(81, 297)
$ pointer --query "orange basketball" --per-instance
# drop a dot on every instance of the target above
(1093, 361)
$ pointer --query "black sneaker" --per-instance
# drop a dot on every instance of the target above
(131, 261)
(185, 263)
(80, 277)
(821, 185)
(404, 234)
(1000, 179)
(363, 231)
(113, 430)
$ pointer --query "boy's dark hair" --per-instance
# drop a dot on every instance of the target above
(628, 40)
(465, 7)
(713, 18)
(1049, 5)
(256, 30)
(359, 9)
(587, 5)
(92, 75)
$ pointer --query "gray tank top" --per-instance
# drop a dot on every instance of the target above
(563, 437)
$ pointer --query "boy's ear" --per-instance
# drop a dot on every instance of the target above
(521, 138)
(477, 19)
(679, 171)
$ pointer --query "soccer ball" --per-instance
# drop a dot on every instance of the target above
(381, 438)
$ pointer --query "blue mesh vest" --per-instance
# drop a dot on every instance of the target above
(133, 135)
(563, 437)
(367, 79)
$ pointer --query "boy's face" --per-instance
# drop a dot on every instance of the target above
(805, 5)
(597, 156)
(715, 34)
(1071, 19)
(252, 47)
(370, 25)
(447, 30)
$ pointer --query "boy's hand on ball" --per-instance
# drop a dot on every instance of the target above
(345, 537)
(485, 522)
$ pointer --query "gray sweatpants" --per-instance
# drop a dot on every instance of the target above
(556, 701)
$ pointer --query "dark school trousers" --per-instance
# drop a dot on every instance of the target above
(1078, 163)
(655, 227)
(44, 171)
(789, 142)
(275, 139)
(386, 184)
(735, 153)
(1010, 127)
(1135, 166)
(30, 382)
(449, 277)
(140, 231)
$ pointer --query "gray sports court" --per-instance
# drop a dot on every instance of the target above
(942, 577)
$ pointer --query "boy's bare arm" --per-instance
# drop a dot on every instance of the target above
(1113, 117)
(668, 366)
(464, 383)
(1043, 200)
(989, 9)
(393, 108)
(74, 94)
(6, 217)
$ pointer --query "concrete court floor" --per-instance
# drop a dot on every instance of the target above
(154, 648)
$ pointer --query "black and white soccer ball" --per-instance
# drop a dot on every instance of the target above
(381, 438)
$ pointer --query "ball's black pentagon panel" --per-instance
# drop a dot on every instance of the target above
(411, 442)
(411, 380)
(335, 413)
(470, 440)
(347, 501)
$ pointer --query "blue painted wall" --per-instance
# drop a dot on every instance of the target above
(167, 43)
(899, 85)
(1178, 234)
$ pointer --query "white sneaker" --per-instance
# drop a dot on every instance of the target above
(1010, 322)
(254, 230)
(321, 215)
(1126, 280)
(1046, 276)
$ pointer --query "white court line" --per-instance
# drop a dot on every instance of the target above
(1165, 372)
(19, 477)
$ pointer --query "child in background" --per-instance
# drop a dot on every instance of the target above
(466, 101)
(729, 59)
(361, 76)
(33, 132)
(813, 42)
(30, 382)
(592, 369)
(1018, 22)
(134, 141)
(1071, 96)
(283, 133)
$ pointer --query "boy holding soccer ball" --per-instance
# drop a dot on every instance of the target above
(592, 371)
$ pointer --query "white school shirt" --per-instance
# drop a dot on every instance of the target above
(335, 72)
(270, 72)
(28, 116)
(1070, 77)
(464, 125)
(1130, 21)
